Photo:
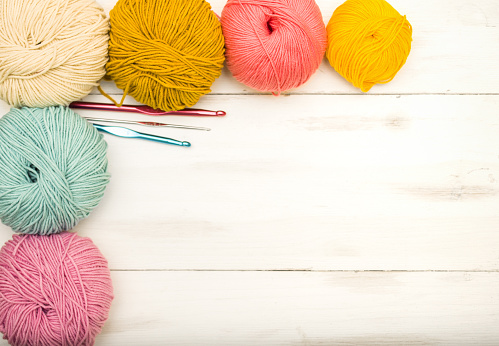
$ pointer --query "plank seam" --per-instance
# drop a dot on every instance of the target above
(307, 270)
(339, 94)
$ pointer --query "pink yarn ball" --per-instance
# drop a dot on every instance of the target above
(273, 45)
(54, 290)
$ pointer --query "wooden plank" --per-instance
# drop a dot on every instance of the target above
(382, 184)
(293, 308)
(455, 49)
(309, 182)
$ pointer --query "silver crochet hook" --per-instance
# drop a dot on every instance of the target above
(148, 123)
(127, 133)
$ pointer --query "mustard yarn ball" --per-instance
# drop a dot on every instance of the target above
(368, 42)
(166, 54)
(52, 52)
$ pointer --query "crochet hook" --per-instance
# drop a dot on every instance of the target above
(148, 123)
(143, 109)
(127, 133)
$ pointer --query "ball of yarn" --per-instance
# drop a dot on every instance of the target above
(52, 52)
(369, 42)
(273, 45)
(54, 290)
(166, 54)
(53, 169)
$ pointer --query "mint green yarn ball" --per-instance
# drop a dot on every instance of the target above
(53, 169)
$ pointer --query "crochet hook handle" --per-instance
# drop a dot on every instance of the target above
(127, 133)
(144, 109)
(103, 107)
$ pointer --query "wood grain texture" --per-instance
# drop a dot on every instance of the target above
(309, 182)
(323, 217)
(293, 308)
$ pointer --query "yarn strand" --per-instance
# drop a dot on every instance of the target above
(165, 55)
(54, 290)
(53, 169)
(52, 52)
(369, 42)
(273, 45)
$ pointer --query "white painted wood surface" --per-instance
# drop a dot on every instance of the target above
(322, 217)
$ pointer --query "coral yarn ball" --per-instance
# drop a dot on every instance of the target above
(165, 54)
(54, 290)
(53, 169)
(273, 45)
(52, 52)
(369, 42)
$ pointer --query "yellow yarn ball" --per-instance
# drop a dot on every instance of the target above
(166, 54)
(368, 42)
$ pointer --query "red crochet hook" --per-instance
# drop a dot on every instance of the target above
(144, 109)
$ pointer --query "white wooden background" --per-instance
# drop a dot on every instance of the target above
(321, 217)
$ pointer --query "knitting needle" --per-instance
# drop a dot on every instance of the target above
(127, 133)
(144, 109)
(148, 123)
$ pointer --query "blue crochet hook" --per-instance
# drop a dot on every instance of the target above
(127, 133)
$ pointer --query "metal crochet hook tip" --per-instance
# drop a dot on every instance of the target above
(221, 113)
(147, 123)
(127, 133)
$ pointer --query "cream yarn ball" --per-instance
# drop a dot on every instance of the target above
(52, 52)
